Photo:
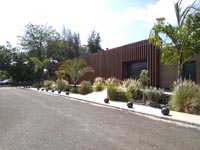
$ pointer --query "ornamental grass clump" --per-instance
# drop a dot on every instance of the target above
(85, 87)
(186, 97)
(117, 94)
(154, 95)
(116, 91)
(62, 85)
(48, 84)
(114, 82)
(129, 82)
(99, 84)
(134, 89)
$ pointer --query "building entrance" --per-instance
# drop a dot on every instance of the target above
(134, 68)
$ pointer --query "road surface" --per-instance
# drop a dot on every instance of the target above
(31, 120)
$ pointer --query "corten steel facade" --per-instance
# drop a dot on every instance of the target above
(113, 62)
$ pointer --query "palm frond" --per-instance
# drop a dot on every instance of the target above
(45, 62)
(37, 63)
(76, 68)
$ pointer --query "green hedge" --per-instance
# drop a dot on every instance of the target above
(117, 94)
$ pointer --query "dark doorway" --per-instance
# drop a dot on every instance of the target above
(134, 68)
(190, 70)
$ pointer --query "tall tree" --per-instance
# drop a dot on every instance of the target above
(94, 41)
(178, 43)
(3, 75)
(15, 64)
(21, 70)
(71, 43)
(35, 39)
(5, 58)
(67, 46)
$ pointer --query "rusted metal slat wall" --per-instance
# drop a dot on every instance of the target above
(111, 63)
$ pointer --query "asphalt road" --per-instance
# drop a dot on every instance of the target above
(31, 120)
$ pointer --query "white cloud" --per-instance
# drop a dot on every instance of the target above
(81, 16)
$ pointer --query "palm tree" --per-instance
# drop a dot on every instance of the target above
(40, 66)
(179, 43)
(75, 68)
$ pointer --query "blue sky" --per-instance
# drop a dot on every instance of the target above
(119, 22)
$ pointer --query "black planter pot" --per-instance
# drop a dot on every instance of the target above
(52, 91)
(59, 91)
(165, 111)
(38, 89)
(67, 93)
(42, 89)
(130, 104)
(47, 90)
(106, 100)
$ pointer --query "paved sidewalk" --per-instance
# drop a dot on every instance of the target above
(98, 98)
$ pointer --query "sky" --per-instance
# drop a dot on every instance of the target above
(119, 22)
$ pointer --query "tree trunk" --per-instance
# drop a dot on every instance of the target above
(75, 83)
(180, 69)
(143, 95)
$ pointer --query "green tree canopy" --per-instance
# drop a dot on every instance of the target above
(5, 57)
(68, 46)
(21, 70)
(94, 41)
(35, 39)
(181, 42)
(3, 75)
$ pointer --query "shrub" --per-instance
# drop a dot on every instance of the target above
(112, 82)
(49, 84)
(154, 95)
(37, 85)
(135, 93)
(134, 88)
(62, 85)
(186, 97)
(117, 94)
(85, 87)
(74, 90)
(99, 84)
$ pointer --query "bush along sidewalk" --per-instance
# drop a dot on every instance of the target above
(62, 85)
(186, 97)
